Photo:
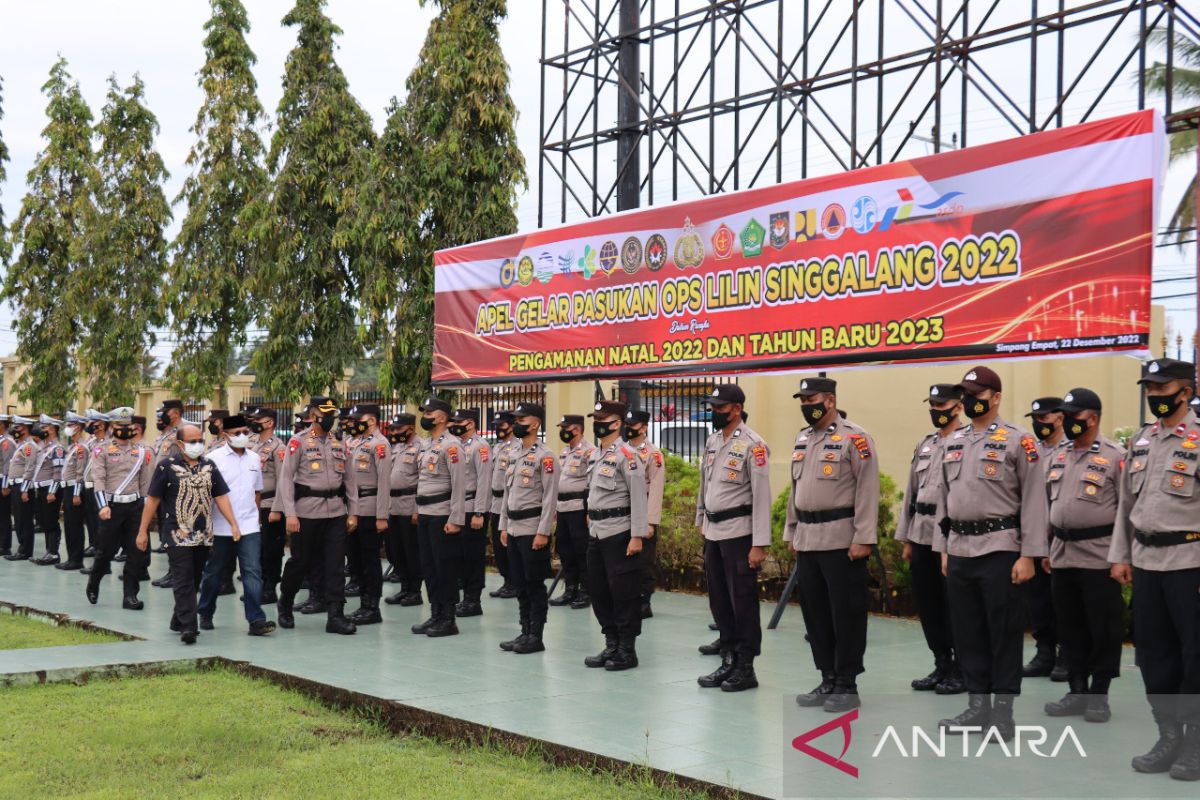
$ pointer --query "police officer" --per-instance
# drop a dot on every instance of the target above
(915, 528)
(441, 515)
(43, 474)
(8, 446)
(23, 509)
(478, 499)
(1048, 658)
(369, 458)
(169, 419)
(216, 428)
(407, 449)
(270, 451)
(526, 520)
(347, 431)
(97, 436)
(311, 490)
(571, 537)
(121, 472)
(1156, 545)
(504, 452)
(832, 520)
(733, 512)
(634, 432)
(1082, 479)
(617, 528)
(74, 512)
(993, 522)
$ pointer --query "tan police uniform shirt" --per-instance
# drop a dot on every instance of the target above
(44, 467)
(91, 443)
(167, 444)
(531, 483)
(318, 463)
(443, 472)
(503, 454)
(652, 461)
(121, 467)
(575, 467)
(370, 470)
(991, 474)
(8, 447)
(406, 468)
(1083, 486)
(477, 475)
(834, 468)
(74, 463)
(1159, 494)
(270, 455)
(18, 463)
(923, 488)
(618, 480)
(735, 472)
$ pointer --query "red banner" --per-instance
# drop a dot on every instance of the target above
(1036, 246)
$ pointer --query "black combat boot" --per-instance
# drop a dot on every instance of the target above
(283, 613)
(336, 622)
(1002, 716)
(268, 596)
(1040, 666)
(843, 698)
(713, 649)
(443, 624)
(507, 646)
(715, 678)
(434, 612)
(742, 677)
(131, 602)
(165, 582)
(977, 714)
(314, 604)
(532, 643)
(625, 657)
(368, 612)
(953, 682)
(1187, 763)
(601, 658)
(818, 695)
(567, 597)
(1162, 755)
(395, 599)
(469, 608)
(1060, 674)
(412, 597)
(1097, 700)
(930, 682)
(582, 600)
(1074, 703)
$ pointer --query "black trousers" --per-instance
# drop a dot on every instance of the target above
(74, 520)
(571, 544)
(318, 538)
(833, 601)
(649, 566)
(929, 590)
(274, 537)
(353, 560)
(474, 559)
(187, 566)
(47, 516)
(499, 553)
(450, 552)
(528, 570)
(1091, 626)
(1167, 635)
(430, 529)
(368, 540)
(91, 516)
(614, 583)
(989, 621)
(1039, 599)
(6, 521)
(119, 532)
(733, 594)
(406, 552)
(23, 518)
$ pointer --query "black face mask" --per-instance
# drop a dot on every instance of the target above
(1074, 428)
(602, 429)
(976, 408)
(457, 430)
(565, 435)
(941, 418)
(1043, 430)
(256, 427)
(300, 426)
(161, 424)
(89, 428)
(426, 423)
(123, 433)
(1164, 405)
(720, 419)
(503, 432)
(520, 431)
(813, 412)
(629, 434)
(326, 422)
(42, 433)
(213, 428)
(398, 438)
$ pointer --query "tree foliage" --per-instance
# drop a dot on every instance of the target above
(212, 256)
(51, 269)
(125, 238)
(444, 173)
(306, 281)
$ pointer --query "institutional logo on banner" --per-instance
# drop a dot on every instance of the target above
(689, 247)
(508, 273)
(864, 214)
(722, 241)
(780, 230)
(608, 257)
(806, 225)
(525, 271)
(833, 221)
(631, 255)
(752, 238)
(656, 252)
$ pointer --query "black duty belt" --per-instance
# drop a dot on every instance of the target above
(729, 513)
(403, 492)
(1166, 539)
(596, 514)
(431, 499)
(564, 497)
(925, 509)
(497, 493)
(328, 494)
(268, 495)
(817, 517)
(368, 491)
(525, 513)
(982, 526)
(1080, 534)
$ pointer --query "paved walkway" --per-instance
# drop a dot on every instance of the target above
(653, 715)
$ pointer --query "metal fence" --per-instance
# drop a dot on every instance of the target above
(680, 419)
(285, 420)
(487, 401)
(195, 413)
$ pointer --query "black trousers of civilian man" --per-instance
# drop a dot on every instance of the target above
(614, 583)
(733, 594)
(989, 621)
(1167, 636)
(528, 571)
(929, 591)
(833, 601)
(187, 566)
(323, 538)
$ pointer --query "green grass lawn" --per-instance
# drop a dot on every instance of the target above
(18, 632)
(219, 734)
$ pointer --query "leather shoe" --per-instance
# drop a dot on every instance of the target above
(952, 683)
(505, 592)
(313, 605)
(468, 608)
(132, 603)
(366, 615)
(446, 627)
(283, 613)
(18, 556)
(599, 660)
(508, 645)
(742, 677)
(174, 625)
(119, 557)
(1097, 709)
(1187, 763)
(625, 658)
(713, 649)
(423, 627)
(93, 593)
(340, 625)
(85, 570)
(69, 566)
(412, 599)
(712, 626)
(188, 637)
(1162, 755)
(206, 623)
(261, 627)
(1040, 666)
(819, 695)
(582, 600)
(394, 599)
(268, 597)
(90, 552)
(842, 699)
(162, 583)
(647, 612)
(530, 643)
(715, 678)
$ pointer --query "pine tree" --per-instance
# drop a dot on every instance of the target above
(306, 281)
(206, 296)
(444, 173)
(127, 246)
(4, 246)
(51, 271)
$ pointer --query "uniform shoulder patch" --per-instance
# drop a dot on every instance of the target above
(658, 458)
(1029, 445)
(293, 445)
(4, 444)
(484, 452)
(861, 445)
(279, 452)
(548, 465)
(760, 455)
(28, 450)
(452, 454)
(381, 451)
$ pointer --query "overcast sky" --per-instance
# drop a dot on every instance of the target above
(164, 42)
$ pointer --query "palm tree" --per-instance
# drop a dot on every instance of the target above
(1185, 87)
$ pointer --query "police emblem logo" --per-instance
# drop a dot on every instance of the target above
(837, 437)
(1090, 490)
(1163, 408)
(803, 385)
(525, 271)
(991, 470)
(752, 238)
(631, 255)
(979, 407)
(1154, 366)
(689, 247)
(732, 475)
(608, 256)
(833, 221)
(722, 241)
(781, 232)
(970, 376)
(1177, 481)
(1094, 476)
(830, 456)
(864, 214)
(656, 252)
(1070, 398)
(798, 455)
(827, 469)
(1037, 406)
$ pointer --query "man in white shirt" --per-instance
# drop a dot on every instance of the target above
(242, 470)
